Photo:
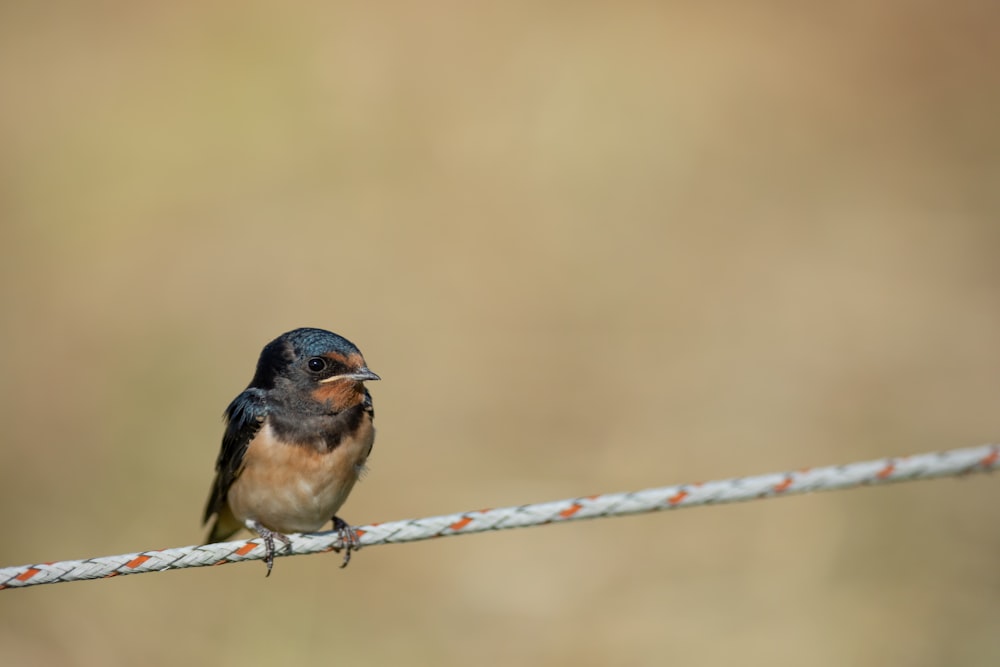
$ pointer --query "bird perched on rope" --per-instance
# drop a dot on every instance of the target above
(296, 441)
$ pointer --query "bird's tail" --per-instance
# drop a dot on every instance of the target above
(224, 525)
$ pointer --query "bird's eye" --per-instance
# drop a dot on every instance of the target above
(316, 364)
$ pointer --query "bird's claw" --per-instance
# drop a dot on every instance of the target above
(268, 536)
(348, 539)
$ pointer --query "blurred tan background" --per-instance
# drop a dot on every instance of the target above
(589, 247)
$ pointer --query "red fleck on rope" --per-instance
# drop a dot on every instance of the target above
(883, 471)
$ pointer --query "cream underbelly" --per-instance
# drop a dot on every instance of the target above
(295, 488)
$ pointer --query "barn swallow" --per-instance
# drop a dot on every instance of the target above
(296, 441)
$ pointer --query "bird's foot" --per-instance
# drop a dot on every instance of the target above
(348, 539)
(268, 536)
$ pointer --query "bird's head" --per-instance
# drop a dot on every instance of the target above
(314, 364)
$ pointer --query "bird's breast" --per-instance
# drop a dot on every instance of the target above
(297, 487)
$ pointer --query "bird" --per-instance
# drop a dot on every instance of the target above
(296, 441)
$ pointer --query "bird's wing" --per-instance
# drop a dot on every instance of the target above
(244, 417)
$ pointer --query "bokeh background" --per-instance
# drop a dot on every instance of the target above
(589, 247)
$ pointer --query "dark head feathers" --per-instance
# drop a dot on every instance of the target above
(282, 352)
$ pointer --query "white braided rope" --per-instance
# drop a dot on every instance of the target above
(883, 471)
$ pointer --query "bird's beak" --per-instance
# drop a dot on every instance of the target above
(363, 374)
(359, 375)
